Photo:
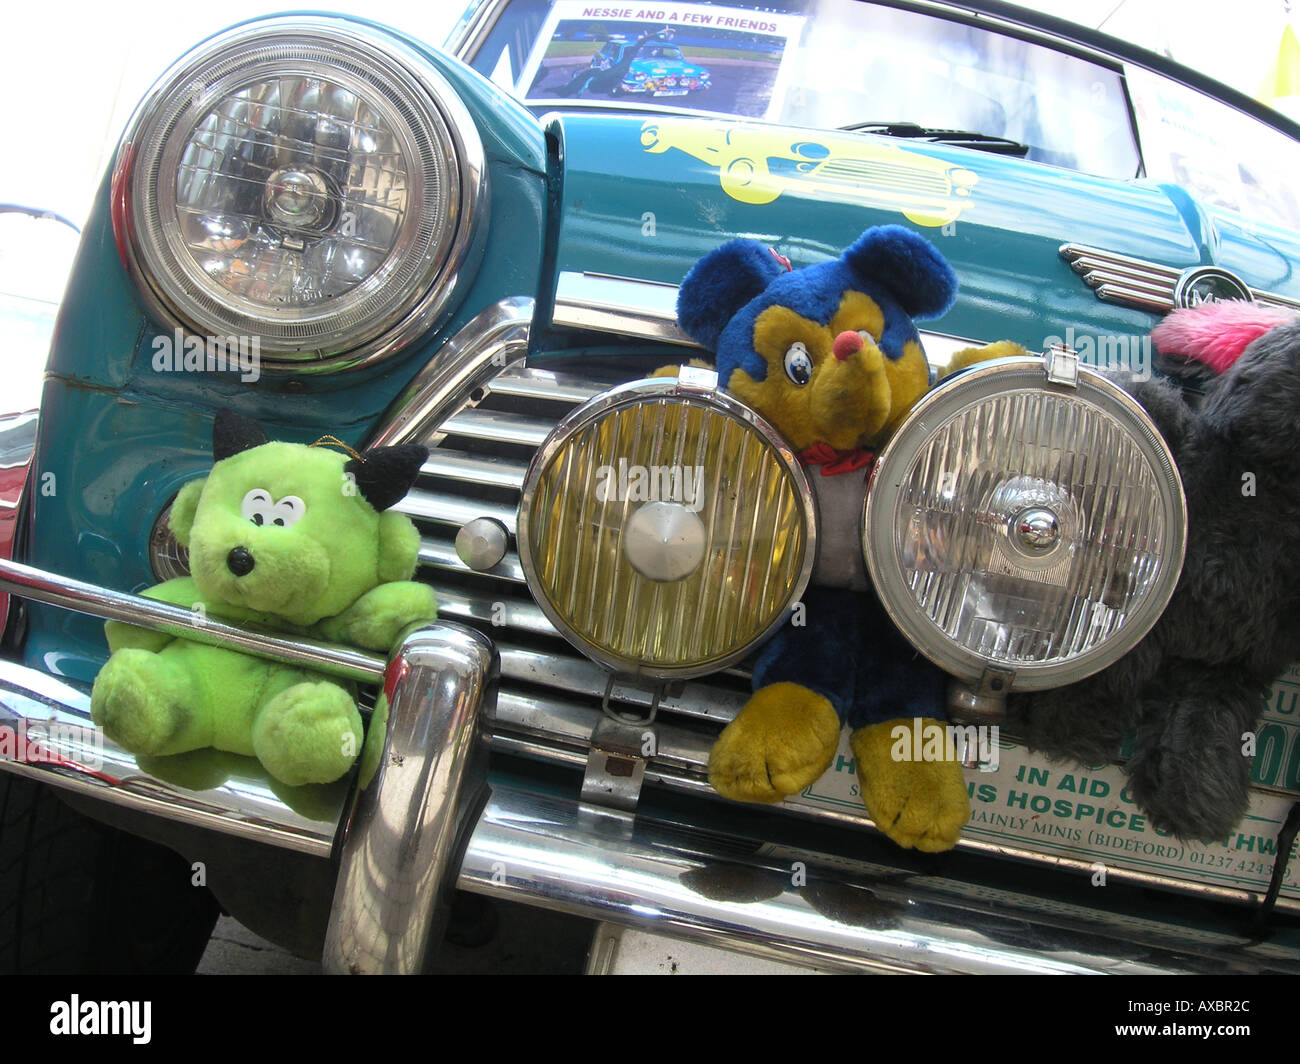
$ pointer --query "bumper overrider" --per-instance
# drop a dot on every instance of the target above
(429, 822)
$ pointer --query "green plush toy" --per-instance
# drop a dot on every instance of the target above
(285, 537)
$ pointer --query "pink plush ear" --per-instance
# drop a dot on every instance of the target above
(1216, 333)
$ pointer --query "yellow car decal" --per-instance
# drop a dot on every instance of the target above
(756, 164)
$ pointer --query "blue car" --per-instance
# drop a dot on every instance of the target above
(337, 229)
(651, 68)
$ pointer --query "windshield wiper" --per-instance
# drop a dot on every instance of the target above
(963, 138)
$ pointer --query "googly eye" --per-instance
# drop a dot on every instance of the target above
(288, 511)
(256, 506)
(867, 338)
(798, 364)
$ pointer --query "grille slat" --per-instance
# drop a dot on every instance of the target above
(475, 469)
(453, 509)
(439, 554)
(498, 427)
(495, 615)
(554, 387)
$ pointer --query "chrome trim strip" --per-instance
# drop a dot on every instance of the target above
(398, 868)
(673, 769)
(245, 805)
(1130, 281)
(1272, 299)
(1083, 258)
(547, 852)
(647, 310)
(39, 586)
(1134, 297)
(468, 35)
(494, 339)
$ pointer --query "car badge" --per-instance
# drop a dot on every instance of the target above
(1209, 284)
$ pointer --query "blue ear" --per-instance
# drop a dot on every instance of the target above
(908, 265)
(720, 284)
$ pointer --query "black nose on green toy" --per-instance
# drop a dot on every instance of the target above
(239, 561)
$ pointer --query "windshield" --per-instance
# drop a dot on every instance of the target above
(819, 63)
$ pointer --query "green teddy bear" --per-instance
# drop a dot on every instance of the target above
(292, 539)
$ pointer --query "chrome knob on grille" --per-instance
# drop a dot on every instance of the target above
(482, 543)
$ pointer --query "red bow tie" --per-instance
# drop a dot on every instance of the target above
(834, 462)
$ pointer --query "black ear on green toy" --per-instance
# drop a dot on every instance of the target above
(384, 474)
(721, 283)
(232, 433)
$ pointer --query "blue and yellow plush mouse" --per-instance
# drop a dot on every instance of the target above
(830, 355)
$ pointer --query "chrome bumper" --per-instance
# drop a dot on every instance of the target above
(399, 843)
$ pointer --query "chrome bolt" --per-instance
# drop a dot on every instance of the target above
(482, 543)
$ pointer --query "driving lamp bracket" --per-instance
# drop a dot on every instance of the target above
(1061, 363)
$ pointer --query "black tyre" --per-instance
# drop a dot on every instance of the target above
(77, 896)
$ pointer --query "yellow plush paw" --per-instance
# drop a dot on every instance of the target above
(780, 742)
(970, 356)
(917, 803)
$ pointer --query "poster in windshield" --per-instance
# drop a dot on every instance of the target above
(695, 56)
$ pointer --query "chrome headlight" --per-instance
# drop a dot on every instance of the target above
(167, 558)
(1025, 528)
(665, 528)
(306, 181)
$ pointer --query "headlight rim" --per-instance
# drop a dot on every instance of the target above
(687, 388)
(457, 140)
(878, 508)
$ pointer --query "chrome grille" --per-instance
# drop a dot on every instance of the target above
(550, 696)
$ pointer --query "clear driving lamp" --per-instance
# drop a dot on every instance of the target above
(1025, 527)
(665, 528)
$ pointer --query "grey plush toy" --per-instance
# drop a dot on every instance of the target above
(1192, 689)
